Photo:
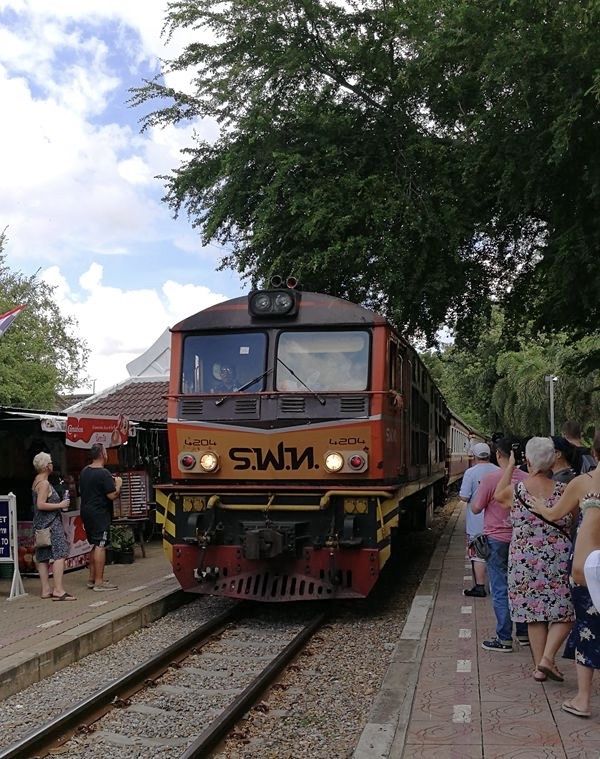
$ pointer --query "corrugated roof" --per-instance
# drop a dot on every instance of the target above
(140, 399)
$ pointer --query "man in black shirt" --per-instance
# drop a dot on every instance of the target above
(584, 462)
(98, 490)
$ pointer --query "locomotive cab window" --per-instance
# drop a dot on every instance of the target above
(224, 363)
(329, 361)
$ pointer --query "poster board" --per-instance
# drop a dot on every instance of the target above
(85, 431)
(9, 542)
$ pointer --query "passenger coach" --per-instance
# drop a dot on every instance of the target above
(303, 432)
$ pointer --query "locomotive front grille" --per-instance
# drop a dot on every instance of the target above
(191, 408)
(247, 407)
(354, 406)
(292, 405)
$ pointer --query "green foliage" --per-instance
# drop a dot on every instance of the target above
(121, 537)
(40, 354)
(499, 389)
(426, 158)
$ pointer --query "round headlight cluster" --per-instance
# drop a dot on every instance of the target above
(334, 462)
(350, 461)
(209, 461)
(272, 303)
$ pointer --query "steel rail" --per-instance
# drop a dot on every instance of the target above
(54, 729)
(222, 725)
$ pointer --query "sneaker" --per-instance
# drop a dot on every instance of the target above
(523, 640)
(105, 586)
(91, 584)
(478, 591)
(497, 645)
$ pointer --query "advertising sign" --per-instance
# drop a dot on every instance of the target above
(85, 431)
(5, 554)
(76, 537)
(8, 542)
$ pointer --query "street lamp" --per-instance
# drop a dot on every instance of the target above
(551, 379)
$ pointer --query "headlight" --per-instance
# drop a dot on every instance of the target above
(334, 462)
(209, 462)
(261, 303)
(283, 302)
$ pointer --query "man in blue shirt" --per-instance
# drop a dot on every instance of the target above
(468, 489)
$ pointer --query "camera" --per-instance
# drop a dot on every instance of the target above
(518, 453)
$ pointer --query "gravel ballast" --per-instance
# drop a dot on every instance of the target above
(317, 709)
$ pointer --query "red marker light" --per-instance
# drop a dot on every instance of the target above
(356, 462)
(188, 461)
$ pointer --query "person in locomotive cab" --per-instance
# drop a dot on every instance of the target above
(225, 379)
(475, 522)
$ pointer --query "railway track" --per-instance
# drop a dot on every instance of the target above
(217, 672)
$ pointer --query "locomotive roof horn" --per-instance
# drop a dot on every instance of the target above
(278, 282)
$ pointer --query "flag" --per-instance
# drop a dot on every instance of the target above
(7, 319)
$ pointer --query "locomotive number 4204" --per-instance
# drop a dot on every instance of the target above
(346, 441)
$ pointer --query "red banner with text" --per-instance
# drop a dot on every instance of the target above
(85, 431)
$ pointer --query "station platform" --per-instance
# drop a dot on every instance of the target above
(444, 696)
(40, 636)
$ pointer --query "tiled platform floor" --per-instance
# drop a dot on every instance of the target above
(474, 703)
(39, 636)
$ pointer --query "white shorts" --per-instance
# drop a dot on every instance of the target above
(591, 569)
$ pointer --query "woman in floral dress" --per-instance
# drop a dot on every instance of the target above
(584, 641)
(46, 513)
(538, 560)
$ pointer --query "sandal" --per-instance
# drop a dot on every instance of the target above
(567, 706)
(65, 597)
(552, 674)
(539, 676)
(47, 597)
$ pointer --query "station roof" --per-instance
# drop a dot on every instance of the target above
(142, 399)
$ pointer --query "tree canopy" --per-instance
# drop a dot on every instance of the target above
(424, 157)
(496, 388)
(40, 353)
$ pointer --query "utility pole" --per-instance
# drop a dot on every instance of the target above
(551, 379)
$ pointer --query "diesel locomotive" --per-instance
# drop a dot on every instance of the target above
(304, 432)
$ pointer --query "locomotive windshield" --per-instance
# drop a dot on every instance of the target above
(224, 363)
(327, 361)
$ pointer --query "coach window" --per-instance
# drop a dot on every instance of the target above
(224, 362)
(328, 361)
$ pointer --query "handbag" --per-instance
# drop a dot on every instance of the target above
(43, 538)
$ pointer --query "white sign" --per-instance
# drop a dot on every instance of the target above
(8, 542)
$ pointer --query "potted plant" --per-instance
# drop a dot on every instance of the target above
(122, 540)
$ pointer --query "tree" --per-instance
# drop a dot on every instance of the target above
(426, 158)
(40, 354)
(497, 388)
(322, 169)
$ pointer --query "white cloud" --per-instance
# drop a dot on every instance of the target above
(78, 180)
(120, 324)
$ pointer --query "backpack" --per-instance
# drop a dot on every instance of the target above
(588, 463)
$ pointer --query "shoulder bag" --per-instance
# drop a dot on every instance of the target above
(539, 516)
(43, 537)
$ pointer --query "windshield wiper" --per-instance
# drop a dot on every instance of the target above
(310, 390)
(243, 387)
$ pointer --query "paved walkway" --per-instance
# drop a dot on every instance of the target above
(39, 636)
(446, 697)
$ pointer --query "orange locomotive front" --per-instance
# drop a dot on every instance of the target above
(301, 428)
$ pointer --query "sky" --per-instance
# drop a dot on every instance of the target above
(79, 197)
